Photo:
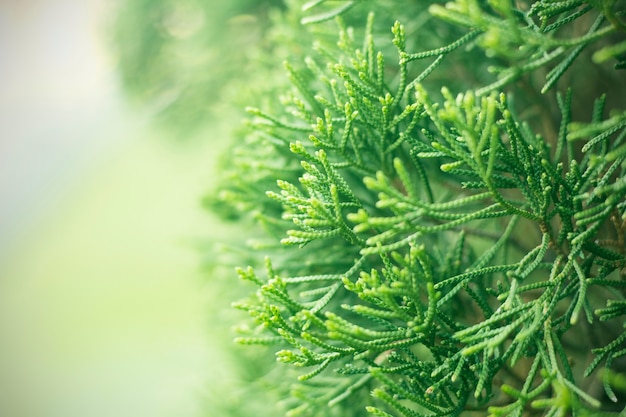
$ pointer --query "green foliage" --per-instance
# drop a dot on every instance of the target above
(176, 56)
(452, 232)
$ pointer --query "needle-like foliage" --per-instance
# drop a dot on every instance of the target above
(452, 231)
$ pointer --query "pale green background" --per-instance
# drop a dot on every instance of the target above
(104, 308)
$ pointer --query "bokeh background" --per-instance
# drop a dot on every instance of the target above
(111, 127)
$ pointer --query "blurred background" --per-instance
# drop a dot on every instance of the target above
(112, 119)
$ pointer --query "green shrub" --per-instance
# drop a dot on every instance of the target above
(441, 197)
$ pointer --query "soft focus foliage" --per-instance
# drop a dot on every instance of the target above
(180, 56)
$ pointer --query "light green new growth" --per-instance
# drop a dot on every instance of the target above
(453, 233)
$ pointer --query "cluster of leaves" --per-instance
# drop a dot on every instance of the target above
(439, 254)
